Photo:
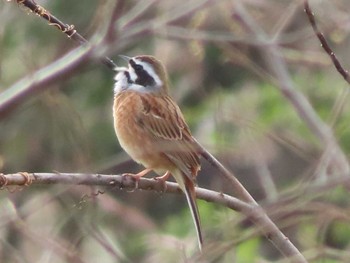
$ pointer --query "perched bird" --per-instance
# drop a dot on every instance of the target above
(151, 128)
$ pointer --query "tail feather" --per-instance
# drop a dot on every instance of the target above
(191, 200)
(187, 186)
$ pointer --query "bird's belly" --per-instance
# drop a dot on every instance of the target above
(136, 141)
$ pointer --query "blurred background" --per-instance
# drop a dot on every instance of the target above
(222, 78)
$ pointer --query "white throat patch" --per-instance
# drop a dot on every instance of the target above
(122, 83)
(121, 80)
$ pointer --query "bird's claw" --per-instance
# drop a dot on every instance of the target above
(28, 180)
(126, 177)
(162, 179)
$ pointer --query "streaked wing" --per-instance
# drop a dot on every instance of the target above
(163, 118)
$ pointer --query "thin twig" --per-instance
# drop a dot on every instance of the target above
(16, 94)
(238, 188)
(69, 30)
(324, 43)
(276, 64)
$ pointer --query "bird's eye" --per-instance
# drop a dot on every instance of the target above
(138, 67)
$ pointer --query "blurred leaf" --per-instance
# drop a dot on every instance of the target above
(248, 251)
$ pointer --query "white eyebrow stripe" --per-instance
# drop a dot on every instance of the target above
(150, 70)
(132, 73)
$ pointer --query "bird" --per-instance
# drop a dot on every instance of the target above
(152, 130)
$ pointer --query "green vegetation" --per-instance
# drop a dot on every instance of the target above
(234, 106)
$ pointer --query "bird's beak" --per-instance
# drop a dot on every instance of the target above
(126, 58)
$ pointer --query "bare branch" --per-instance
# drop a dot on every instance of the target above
(40, 80)
(324, 43)
(252, 210)
(300, 103)
(116, 181)
(66, 65)
(69, 30)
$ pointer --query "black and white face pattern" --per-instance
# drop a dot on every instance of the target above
(143, 73)
(140, 76)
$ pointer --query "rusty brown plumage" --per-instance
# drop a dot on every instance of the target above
(151, 128)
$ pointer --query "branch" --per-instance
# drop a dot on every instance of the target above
(13, 96)
(251, 210)
(53, 73)
(116, 181)
(324, 43)
(302, 106)
(69, 30)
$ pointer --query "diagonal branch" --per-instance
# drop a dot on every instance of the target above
(69, 30)
(250, 208)
(52, 73)
(302, 106)
(324, 43)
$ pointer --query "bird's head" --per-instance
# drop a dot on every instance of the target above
(144, 74)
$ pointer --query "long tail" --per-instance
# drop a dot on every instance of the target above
(191, 200)
(187, 186)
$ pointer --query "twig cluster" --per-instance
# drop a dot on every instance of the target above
(246, 204)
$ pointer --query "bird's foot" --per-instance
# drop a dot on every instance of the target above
(127, 177)
(162, 179)
(28, 180)
(134, 177)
